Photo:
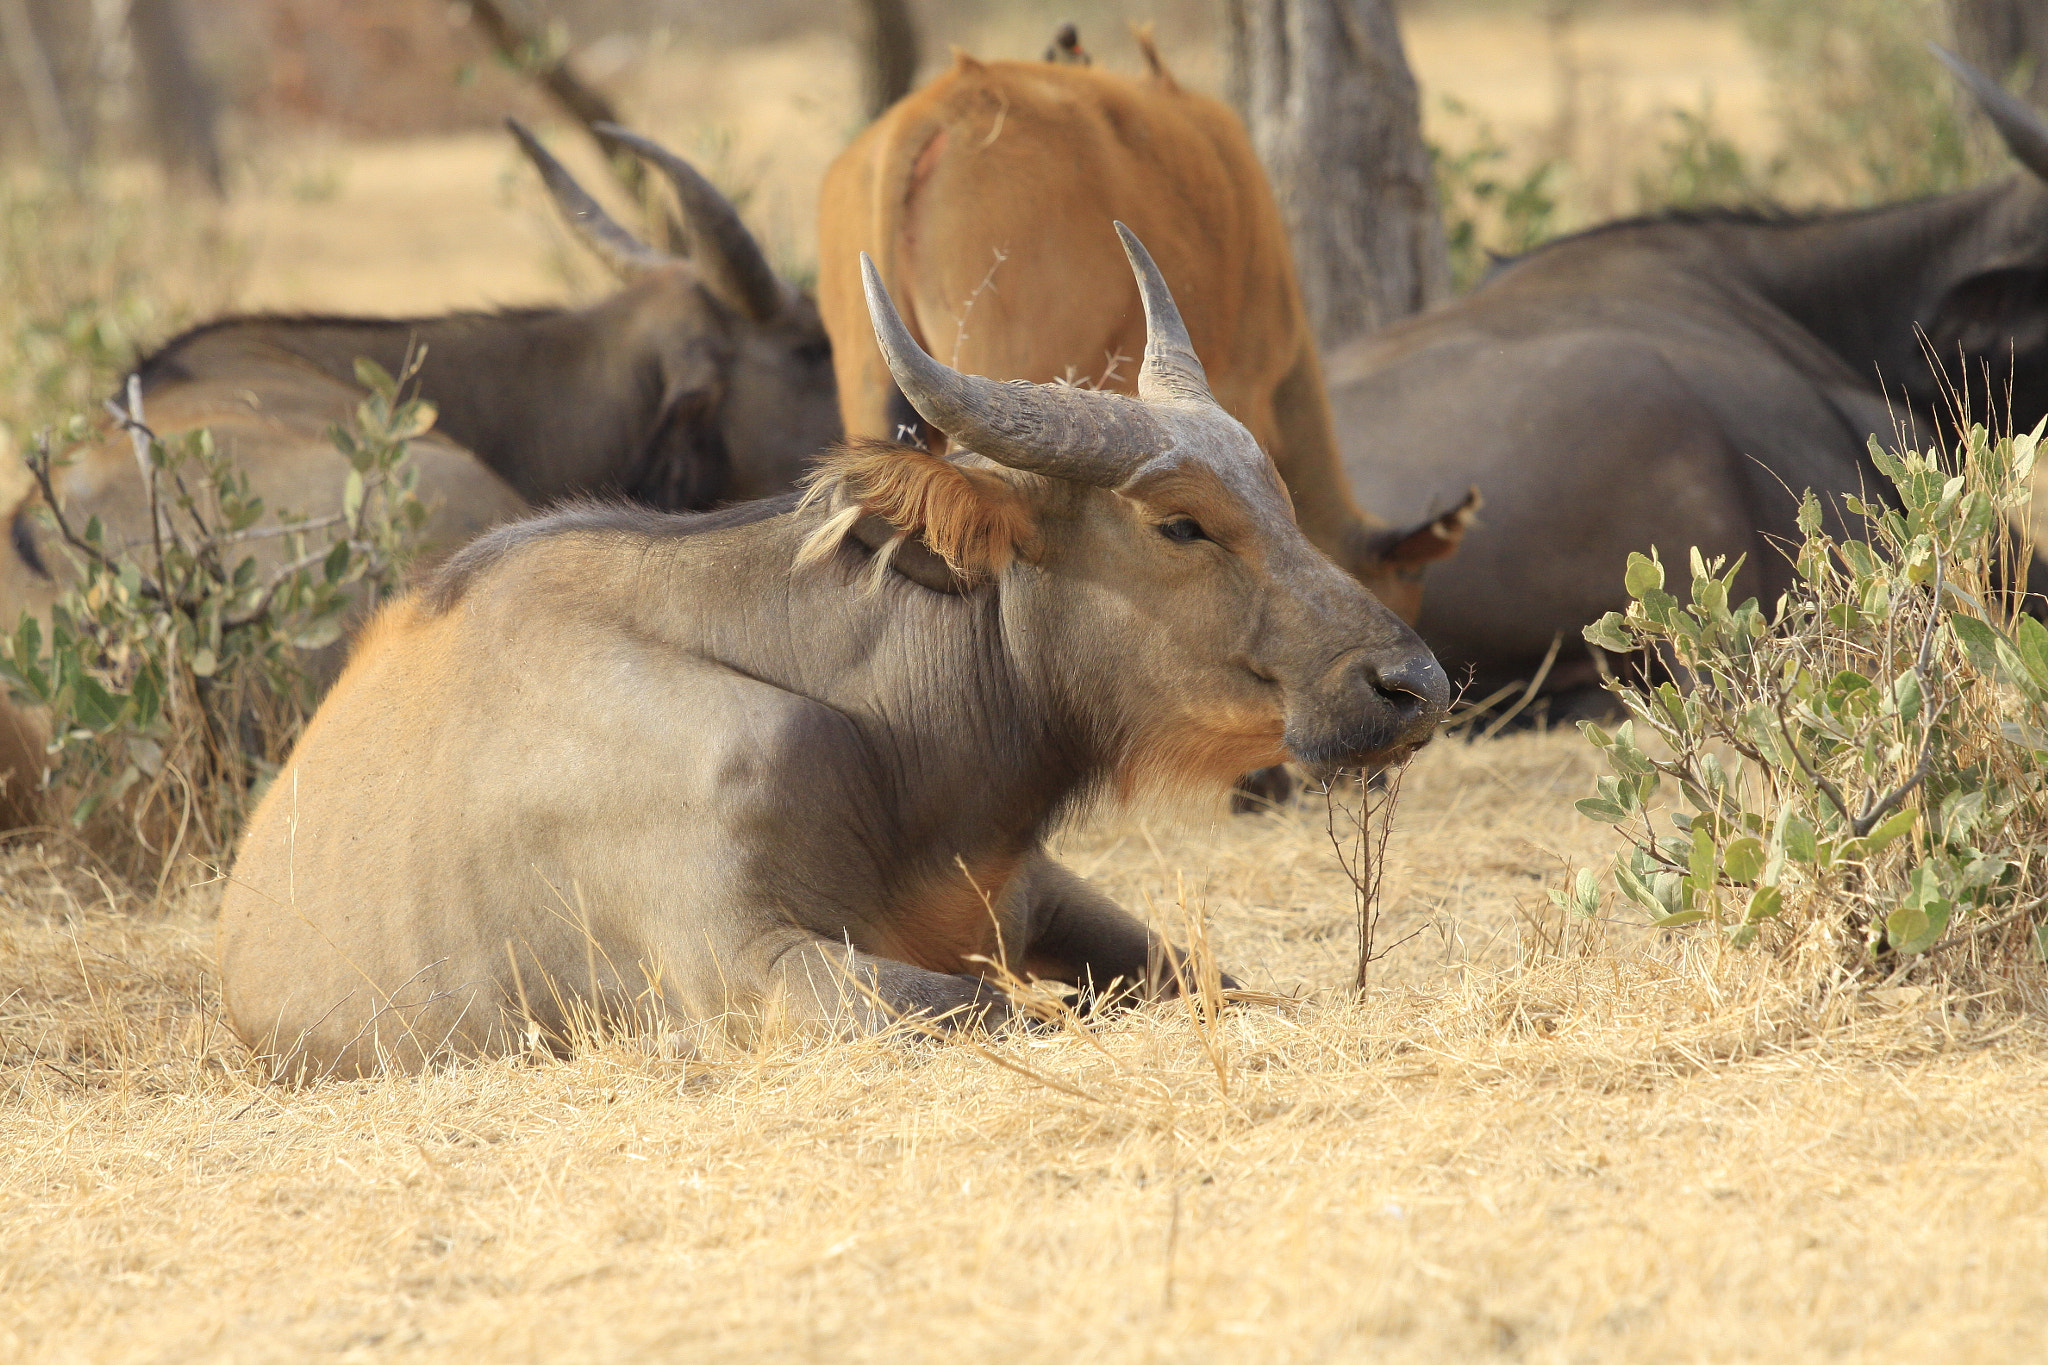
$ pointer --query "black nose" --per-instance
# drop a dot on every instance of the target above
(1414, 686)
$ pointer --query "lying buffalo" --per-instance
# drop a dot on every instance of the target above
(1678, 381)
(703, 380)
(799, 755)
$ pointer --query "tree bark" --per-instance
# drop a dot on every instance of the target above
(890, 51)
(29, 60)
(183, 109)
(2004, 37)
(1334, 113)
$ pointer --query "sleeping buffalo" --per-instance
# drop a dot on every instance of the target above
(799, 756)
(1678, 381)
(703, 380)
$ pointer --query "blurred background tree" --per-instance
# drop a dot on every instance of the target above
(1325, 89)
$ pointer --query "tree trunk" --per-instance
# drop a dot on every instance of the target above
(889, 46)
(2004, 37)
(183, 112)
(1333, 110)
(29, 60)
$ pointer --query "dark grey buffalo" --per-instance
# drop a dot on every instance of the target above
(704, 380)
(1677, 381)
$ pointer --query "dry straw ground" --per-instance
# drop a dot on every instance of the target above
(1615, 1147)
(1523, 1144)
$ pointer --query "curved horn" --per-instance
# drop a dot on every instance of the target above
(2024, 131)
(741, 274)
(1171, 371)
(626, 254)
(1050, 429)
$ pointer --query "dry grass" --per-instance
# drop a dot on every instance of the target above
(1526, 1143)
(1633, 1148)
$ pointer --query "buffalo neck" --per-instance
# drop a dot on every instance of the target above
(552, 400)
(1867, 283)
(963, 747)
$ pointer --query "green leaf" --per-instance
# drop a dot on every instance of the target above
(336, 563)
(352, 496)
(2041, 941)
(1742, 860)
(1625, 756)
(1585, 895)
(1980, 641)
(1797, 840)
(375, 377)
(92, 705)
(1887, 832)
(203, 663)
(413, 421)
(1644, 575)
(2030, 641)
(1907, 696)
(1700, 860)
(1593, 808)
(1610, 632)
(1809, 514)
(1765, 904)
(1634, 887)
(319, 634)
(1678, 917)
(1959, 815)
(1916, 928)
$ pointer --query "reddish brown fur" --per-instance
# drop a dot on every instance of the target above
(955, 919)
(1034, 161)
(972, 519)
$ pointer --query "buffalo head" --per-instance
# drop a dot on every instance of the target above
(742, 363)
(1151, 571)
(1989, 326)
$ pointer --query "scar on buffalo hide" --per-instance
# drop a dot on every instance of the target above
(974, 521)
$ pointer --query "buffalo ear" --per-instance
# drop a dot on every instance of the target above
(957, 525)
(682, 464)
(1410, 549)
(1990, 311)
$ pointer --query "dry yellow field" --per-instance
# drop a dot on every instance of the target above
(425, 225)
(1618, 1149)
(1530, 1140)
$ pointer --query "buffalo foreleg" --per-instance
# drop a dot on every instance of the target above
(1084, 938)
(816, 981)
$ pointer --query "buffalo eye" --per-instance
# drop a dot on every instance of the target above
(1181, 530)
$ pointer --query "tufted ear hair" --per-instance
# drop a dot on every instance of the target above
(974, 521)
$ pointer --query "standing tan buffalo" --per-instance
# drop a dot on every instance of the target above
(800, 755)
(703, 380)
(985, 200)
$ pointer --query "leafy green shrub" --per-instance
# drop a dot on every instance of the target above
(1489, 209)
(1702, 166)
(91, 273)
(174, 673)
(1868, 114)
(1872, 755)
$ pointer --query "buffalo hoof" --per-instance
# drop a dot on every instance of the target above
(1266, 789)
